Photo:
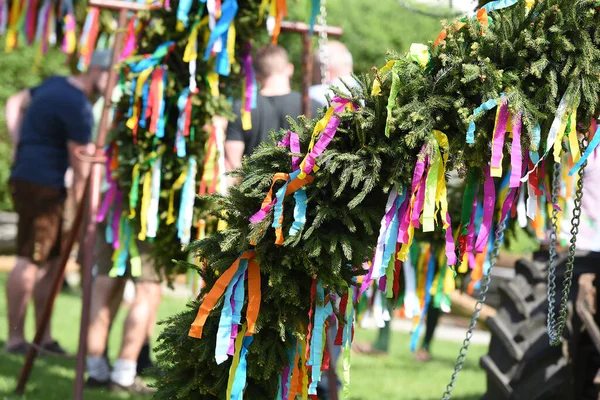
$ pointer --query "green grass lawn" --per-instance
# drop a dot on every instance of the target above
(395, 377)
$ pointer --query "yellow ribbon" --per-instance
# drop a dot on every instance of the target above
(139, 87)
(319, 127)
(191, 49)
(573, 140)
(236, 359)
(431, 189)
(376, 90)
(176, 186)
(231, 44)
(146, 195)
(442, 191)
(464, 266)
(420, 53)
(497, 172)
(213, 81)
(261, 10)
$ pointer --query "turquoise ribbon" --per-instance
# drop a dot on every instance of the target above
(228, 12)
(121, 261)
(239, 381)
(391, 236)
(499, 4)
(430, 274)
(588, 152)
(145, 93)
(487, 106)
(316, 7)
(187, 196)
(179, 138)
(153, 60)
(226, 320)
(238, 298)
(535, 143)
(299, 211)
(316, 346)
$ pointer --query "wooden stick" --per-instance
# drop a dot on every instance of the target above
(95, 182)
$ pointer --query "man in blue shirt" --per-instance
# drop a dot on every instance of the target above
(49, 125)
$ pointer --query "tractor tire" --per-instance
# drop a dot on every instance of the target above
(521, 364)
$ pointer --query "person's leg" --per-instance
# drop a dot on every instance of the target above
(19, 288)
(43, 288)
(431, 322)
(104, 290)
(144, 361)
(433, 317)
(135, 332)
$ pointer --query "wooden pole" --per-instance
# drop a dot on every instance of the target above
(56, 286)
(95, 183)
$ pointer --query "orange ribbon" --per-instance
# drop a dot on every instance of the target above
(219, 288)
(254, 294)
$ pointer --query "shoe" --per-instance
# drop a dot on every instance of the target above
(53, 349)
(138, 387)
(93, 383)
(144, 363)
(20, 349)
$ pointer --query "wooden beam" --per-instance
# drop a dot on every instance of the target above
(119, 5)
(301, 27)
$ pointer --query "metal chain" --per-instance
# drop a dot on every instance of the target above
(556, 326)
(323, 42)
(485, 285)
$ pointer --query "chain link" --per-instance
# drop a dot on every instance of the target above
(556, 325)
(323, 42)
(485, 285)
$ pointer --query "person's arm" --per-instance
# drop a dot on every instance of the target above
(16, 106)
(234, 145)
(81, 168)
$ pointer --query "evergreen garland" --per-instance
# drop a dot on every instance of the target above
(530, 56)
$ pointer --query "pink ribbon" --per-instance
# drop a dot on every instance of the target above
(516, 156)
(249, 75)
(326, 136)
(499, 135)
(292, 140)
(116, 216)
(262, 213)
(470, 239)
(450, 245)
(489, 202)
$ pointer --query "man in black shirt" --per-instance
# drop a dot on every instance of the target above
(275, 102)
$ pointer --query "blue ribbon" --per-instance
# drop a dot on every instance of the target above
(280, 197)
(430, 274)
(145, 93)
(121, 261)
(588, 152)
(238, 298)
(179, 138)
(299, 211)
(183, 10)
(487, 106)
(188, 186)
(222, 64)
(535, 142)
(499, 4)
(228, 12)
(108, 232)
(239, 381)
(153, 60)
(316, 345)
(226, 320)
(316, 7)
(391, 235)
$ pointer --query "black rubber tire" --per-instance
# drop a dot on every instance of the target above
(521, 364)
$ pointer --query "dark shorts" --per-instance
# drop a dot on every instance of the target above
(103, 262)
(40, 209)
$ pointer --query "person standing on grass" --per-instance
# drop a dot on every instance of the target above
(49, 124)
(107, 294)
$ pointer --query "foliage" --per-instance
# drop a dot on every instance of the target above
(535, 57)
